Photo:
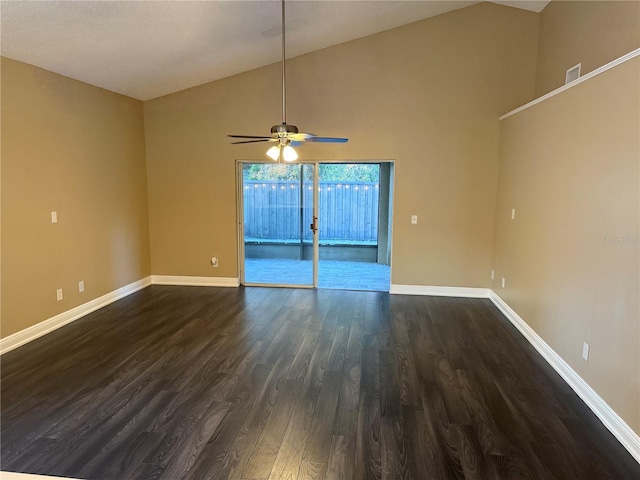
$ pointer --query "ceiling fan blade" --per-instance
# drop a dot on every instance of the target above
(327, 139)
(299, 137)
(248, 136)
(254, 141)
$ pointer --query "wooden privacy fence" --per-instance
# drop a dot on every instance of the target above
(348, 211)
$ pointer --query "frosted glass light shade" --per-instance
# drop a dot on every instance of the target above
(274, 153)
(289, 154)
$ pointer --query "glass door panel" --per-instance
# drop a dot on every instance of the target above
(353, 217)
(277, 214)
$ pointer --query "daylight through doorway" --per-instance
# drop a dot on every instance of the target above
(352, 221)
(352, 210)
(277, 212)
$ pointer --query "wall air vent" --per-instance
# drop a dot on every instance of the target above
(572, 74)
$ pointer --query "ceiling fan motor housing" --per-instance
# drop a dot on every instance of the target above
(283, 130)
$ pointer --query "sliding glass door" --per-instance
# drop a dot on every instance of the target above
(277, 220)
(322, 225)
(353, 205)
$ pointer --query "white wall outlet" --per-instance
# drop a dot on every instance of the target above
(54, 217)
(214, 261)
(585, 351)
(59, 294)
(493, 275)
(81, 286)
(504, 282)
(513, 214)
(414, 219)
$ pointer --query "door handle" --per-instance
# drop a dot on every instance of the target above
(314, 225)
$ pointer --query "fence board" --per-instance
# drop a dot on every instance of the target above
(348, 211)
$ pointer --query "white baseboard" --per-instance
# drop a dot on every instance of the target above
(440, 291)
(616, 425)
(31, 333)
(195, 281)
(26, 476)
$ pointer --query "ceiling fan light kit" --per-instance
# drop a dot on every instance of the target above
(284, 134)
(274, 153)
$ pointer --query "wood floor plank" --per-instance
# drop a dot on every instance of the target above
(199, 383)
(393, 446)
(342, 456)
(290, 456)
(316, 449)
(472, 457)
(440, 433)
(128, 443)
(349, 397)
(228, 449)
(265, 451)
(368, 462)
(312, 471)
(421, 455)
(189, 449)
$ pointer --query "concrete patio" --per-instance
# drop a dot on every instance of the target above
(340, 275)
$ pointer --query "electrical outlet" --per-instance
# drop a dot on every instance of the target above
(414, 219)
(59, 294)
(214, 261)
(54, 217)
(493, 275)
(504, 282)
(81, 286)
(585, 351)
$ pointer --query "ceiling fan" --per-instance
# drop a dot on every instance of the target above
(285, 135)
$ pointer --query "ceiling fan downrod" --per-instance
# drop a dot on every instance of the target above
(285, 136)
(284, 72)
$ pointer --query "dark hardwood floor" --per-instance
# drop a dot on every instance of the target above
(257, 383)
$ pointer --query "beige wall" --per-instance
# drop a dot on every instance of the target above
(589, 32)
(570, 166)
(78, 150)
(426, 95)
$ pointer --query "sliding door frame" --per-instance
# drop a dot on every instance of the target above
(240, 219)
(316, 206)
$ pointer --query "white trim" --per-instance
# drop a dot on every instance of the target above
(584, 78)
(195, 281)
(439, 291)
(31, 333)
(26, 476)
(616, 425)
(240, 219)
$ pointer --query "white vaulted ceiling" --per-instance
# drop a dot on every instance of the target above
(145, 49)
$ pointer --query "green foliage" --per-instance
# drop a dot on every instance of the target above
(350, 172)
(329, 172)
